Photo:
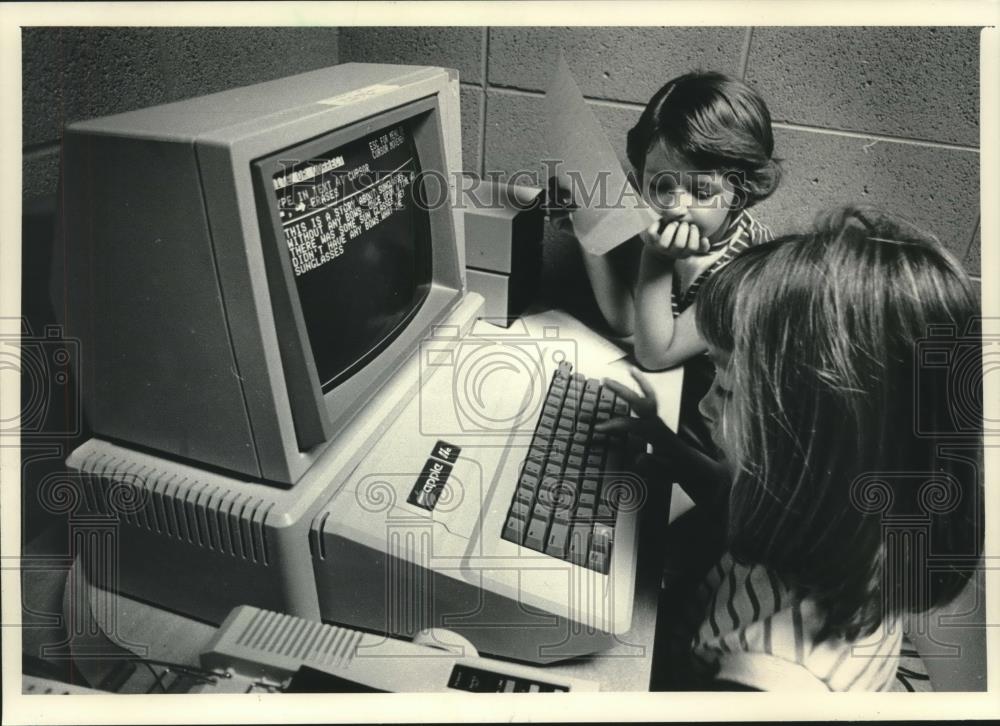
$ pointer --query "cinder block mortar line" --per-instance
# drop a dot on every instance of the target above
(514, 91)
(41, 148)
(745, 55)
(874, 136)
(482, 116)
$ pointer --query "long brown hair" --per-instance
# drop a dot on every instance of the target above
(858, 480)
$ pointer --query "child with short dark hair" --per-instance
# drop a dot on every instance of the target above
(831, 482)
(702, 151)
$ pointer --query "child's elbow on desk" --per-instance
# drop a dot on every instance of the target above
(651, 359)
(618, 315)
(621, 325)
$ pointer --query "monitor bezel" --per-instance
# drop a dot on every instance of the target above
(318, 416)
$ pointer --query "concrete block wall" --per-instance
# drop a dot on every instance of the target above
(69, 74)
(883, 116)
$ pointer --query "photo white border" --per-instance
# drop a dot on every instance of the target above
(459, 708)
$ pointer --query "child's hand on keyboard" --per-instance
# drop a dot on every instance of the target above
(701, 476)
(646, 423)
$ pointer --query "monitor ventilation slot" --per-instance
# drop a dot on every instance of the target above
(202, 513)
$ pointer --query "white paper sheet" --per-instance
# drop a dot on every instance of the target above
(574, 138)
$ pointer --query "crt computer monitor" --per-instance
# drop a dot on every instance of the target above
(245, 269)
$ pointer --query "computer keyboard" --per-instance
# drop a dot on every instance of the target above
(567, 493)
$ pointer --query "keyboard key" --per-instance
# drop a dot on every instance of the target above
(599, 561)
(595, 460)
(540, 440)
(529, 483)
(551, 409)
(604, 513)
(607, 396)
(530, 473)
(547, 423)
(520, 511)
(548, 491)
(603, 536)
(513, 531)
(589, 487)
(572, 474)
(528, 480)
(579, 544)
(574, 460)
(586, 500)
(544, 510)
(579, 439)
(563, 515)
(567, 494)
(558, 538)
(553, 469)
(524, 495)
(535, 536)
(577, 450)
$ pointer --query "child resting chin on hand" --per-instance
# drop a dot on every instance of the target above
(702, 152)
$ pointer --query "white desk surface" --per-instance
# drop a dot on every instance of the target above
(592, 355)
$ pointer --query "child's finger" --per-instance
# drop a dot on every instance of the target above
(644, 385)
(693, 241)
(653, 234)
(667, 236)
(679, 242)
(616, 426)
(623, 391)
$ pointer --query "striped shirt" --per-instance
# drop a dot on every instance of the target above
(744, 231)
(756, 632)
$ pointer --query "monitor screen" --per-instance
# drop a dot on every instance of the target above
(359, 244)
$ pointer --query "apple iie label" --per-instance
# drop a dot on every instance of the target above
(434, 475)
